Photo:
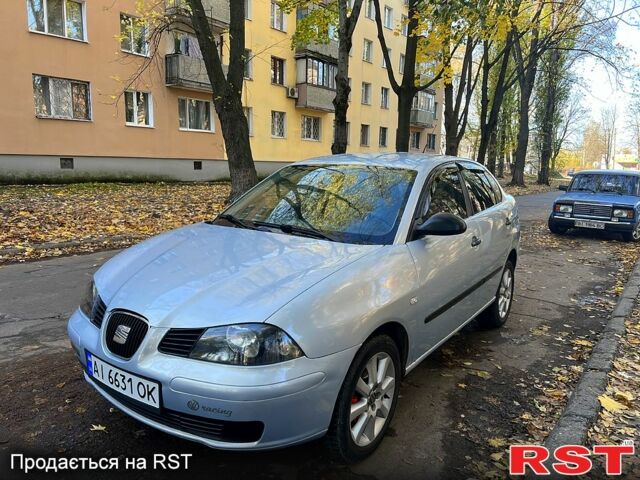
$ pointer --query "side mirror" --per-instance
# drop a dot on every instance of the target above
(564, 188)
(441, 224)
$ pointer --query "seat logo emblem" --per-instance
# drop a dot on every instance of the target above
(121, 335)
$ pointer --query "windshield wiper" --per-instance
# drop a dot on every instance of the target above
(612, 191)
(236, 221)
(295, 230)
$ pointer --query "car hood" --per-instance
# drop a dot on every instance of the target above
(207, 275)
(599, 198)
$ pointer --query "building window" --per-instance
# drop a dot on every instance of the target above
(404, 25)
(383, 137)
(384, 97)
(133, 35)
(366, 93)
(278, 124)
(247, 9)
(138, 109)
(197, 165)
(384, 60)
(388, 17)
(66, 163)
(431, 141)
(248, 64)
(277, 71)
(195, 115)
(64, 18)
(310, 128)
(248, 112)
(367, 51)
(369, 9)
(277, 17)
(321, 73)
(61, 98)
(401, 63)
(415, 140)
(425, 101)
(364, 135)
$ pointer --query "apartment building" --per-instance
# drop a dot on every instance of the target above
(86, 92)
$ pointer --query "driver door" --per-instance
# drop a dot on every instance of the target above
(446, 265)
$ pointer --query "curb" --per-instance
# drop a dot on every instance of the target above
(583, 406)
(72, 243)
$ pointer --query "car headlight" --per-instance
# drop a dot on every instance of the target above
(90, 294)
(245, 344)
(622, 213)
(560, 208)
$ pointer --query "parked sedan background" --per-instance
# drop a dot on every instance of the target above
(295, 314)
(599, 200)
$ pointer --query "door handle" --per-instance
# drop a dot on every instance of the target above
(475, 241)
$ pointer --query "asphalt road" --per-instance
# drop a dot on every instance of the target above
(439, 429)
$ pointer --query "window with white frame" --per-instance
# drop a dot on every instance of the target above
(382, 139)
(366, 93)
(384, 97)
(321, 73)
(425, 101)
(248, 64)
(369, 9)
(404, 25)
(247, 9)
(61, 98)
(364, 135)
(310, 128)
(415, 140)
(401, 63)
(138, 109)
(277, 16)
(388, 17)
(431, 141)
(278, 124)
(248, 112)
(384, 60)
(195, 115)
(64, 18)
(133, 35)
(367, 51)
(277, 70)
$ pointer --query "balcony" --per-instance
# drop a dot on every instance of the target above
(216, 10)
(187, 72)
(422, 118)
(314, 97)
(322, 50)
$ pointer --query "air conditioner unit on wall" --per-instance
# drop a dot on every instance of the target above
(292, 92)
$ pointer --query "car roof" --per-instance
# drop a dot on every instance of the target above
(422, 162)
(634, 173)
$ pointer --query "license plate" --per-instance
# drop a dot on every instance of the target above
(123, 382)
(590, 224)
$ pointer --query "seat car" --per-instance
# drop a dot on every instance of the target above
(296, 312)
(599, 200)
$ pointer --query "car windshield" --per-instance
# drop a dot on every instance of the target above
(346, 203)
(605, 182)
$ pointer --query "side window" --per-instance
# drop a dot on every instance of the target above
(446, 195)
(495, 186)
(480, 194)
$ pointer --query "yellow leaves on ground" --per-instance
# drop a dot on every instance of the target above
(610, 404)
(496, 442)
(583, 343)
(98, 216)
(98, 428)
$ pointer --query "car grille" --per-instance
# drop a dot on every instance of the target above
(214, 429)
(180, 341)
(128, 342)
(97, 312)
(592, 210)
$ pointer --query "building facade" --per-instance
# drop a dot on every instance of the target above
(87, 93)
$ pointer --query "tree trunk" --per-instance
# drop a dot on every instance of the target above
(403, 133)
(548, 116)
(523, 141)
(493, 152)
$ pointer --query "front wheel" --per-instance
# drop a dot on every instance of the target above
(632, 236)
(554, 228)
(497, 313)
(366, 402)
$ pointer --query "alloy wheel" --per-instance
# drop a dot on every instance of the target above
(505, 292)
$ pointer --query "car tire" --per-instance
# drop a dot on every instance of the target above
(373, 411)
(554, 228)
(496, 314)
(633, 236)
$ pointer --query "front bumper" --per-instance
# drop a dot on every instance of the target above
(292, 402)
(609, 226)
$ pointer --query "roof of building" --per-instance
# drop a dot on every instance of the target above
(414, 161)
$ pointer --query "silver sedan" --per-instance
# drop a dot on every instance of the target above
(295, 313)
